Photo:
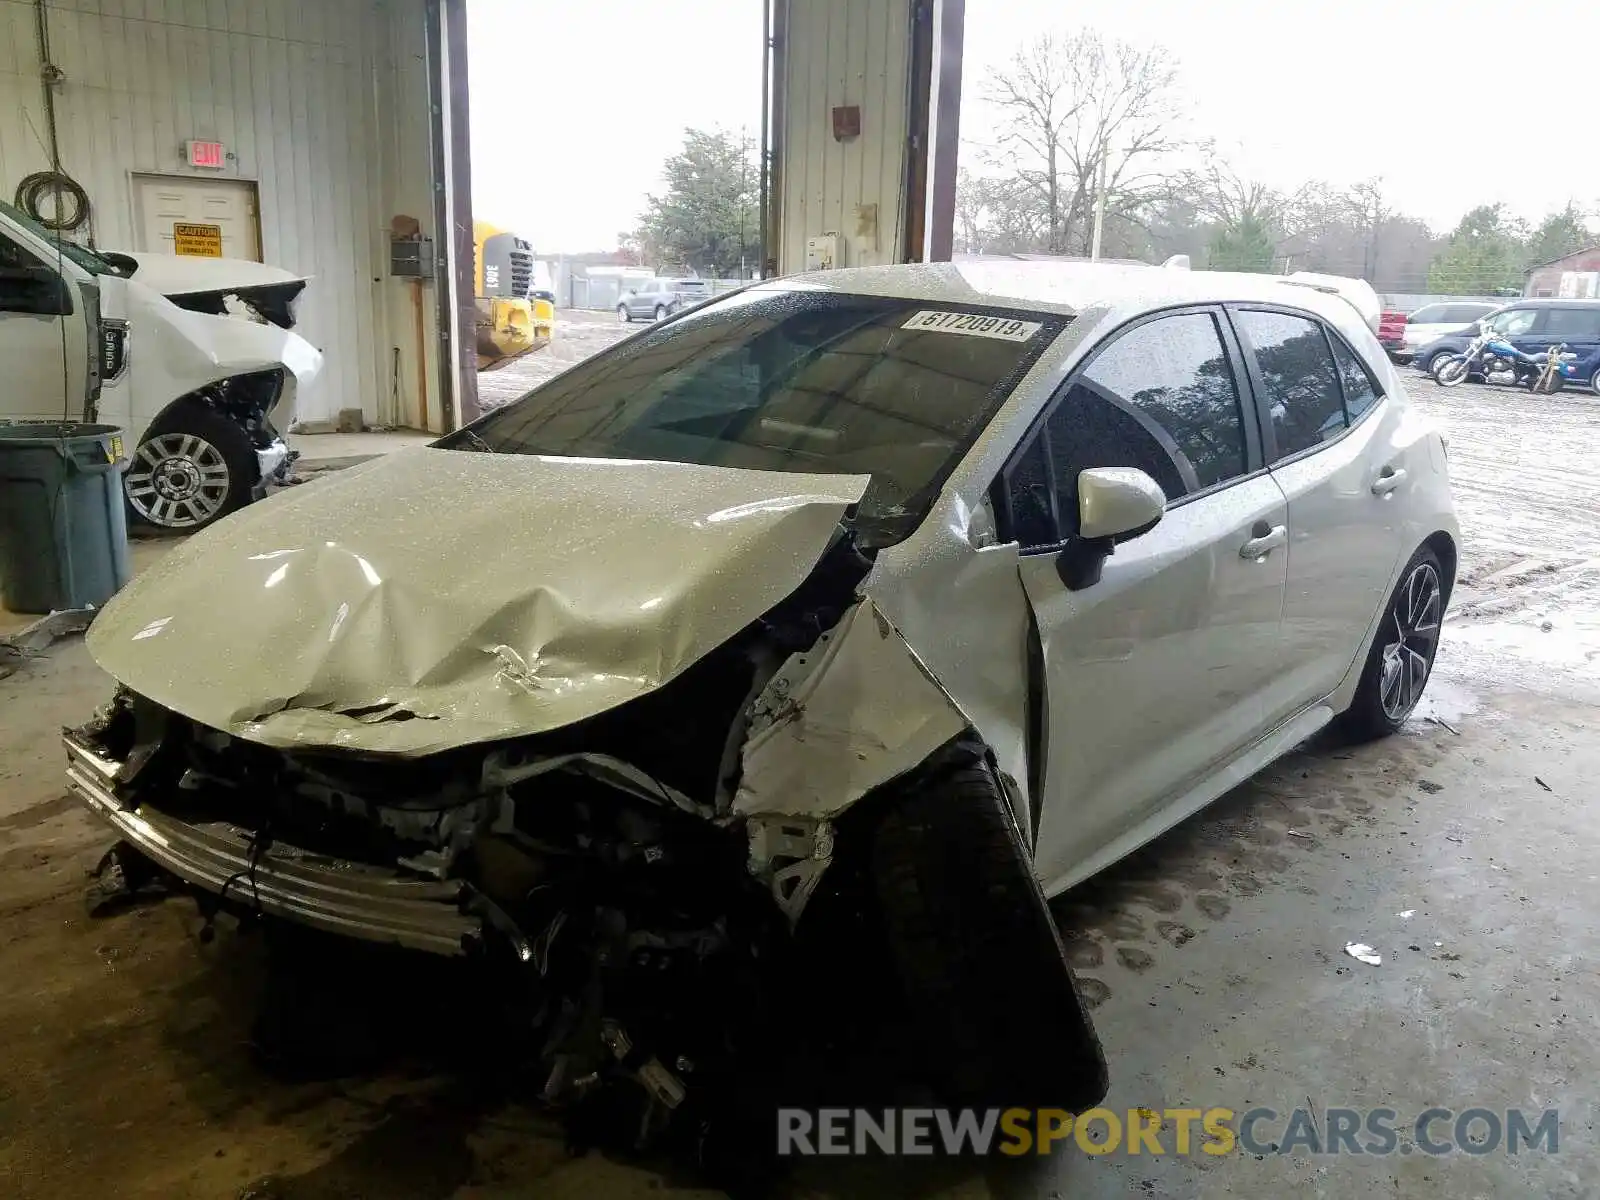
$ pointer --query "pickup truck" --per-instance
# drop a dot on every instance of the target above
(194, 358)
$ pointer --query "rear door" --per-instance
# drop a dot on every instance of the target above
(1576, 326)
(1168, 664)
(1330, 442)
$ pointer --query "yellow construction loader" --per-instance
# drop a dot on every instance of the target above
(514, 315)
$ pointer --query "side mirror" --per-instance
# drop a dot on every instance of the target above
(1114, 505)
(1118, 503)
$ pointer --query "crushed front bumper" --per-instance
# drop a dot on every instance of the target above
(333, 895)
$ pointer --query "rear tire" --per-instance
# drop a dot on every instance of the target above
(660, 312)
(971, 938)
(1400, 662)
(193, 468)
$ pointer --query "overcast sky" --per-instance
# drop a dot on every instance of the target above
(576, 103)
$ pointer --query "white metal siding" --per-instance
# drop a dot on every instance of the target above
(309, 101)
(843, 52)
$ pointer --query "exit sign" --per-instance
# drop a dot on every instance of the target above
(204, 154)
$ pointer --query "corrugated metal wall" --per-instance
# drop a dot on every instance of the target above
(322, 102)
(843, 52)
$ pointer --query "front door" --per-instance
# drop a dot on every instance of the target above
(41, 353)
(164, 202)
(1167, 666)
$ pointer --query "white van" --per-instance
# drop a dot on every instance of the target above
(193, 357)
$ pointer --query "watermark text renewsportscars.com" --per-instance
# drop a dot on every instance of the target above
(1335, 1130)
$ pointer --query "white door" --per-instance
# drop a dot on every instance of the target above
(41, 351)
(162, 202)
(1336, 453)
(1167, 665)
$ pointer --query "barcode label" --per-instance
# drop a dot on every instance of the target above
(974, 324)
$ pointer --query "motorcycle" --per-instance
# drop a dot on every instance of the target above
(1493, 360)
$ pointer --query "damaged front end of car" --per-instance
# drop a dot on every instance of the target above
(647, 870)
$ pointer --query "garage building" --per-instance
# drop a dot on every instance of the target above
(300, 128)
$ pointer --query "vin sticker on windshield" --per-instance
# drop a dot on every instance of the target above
(975, 324)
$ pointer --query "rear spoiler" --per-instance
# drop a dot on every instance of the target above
(1357, 293)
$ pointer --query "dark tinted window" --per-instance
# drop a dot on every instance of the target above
(1465, 314)
(1302, 391)
(1161, 397)
(790, 381)
(1172, 375)
(1514, 322)
(1432, 314)
(1572, 322)
(1359, 392)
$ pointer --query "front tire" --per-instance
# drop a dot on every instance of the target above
(990, 992)
(193, 468)
(1451, 372)
(1437, 361)
(622, 314)
(1400, 662)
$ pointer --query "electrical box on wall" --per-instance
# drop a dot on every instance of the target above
(822, 252)
(411, 258)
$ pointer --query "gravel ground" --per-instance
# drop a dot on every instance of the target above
(1523, 468)
(578, 334)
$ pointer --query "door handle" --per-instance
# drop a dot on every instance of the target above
(1388, 479)
(1266, 538)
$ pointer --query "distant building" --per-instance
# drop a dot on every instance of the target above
(1574, 276)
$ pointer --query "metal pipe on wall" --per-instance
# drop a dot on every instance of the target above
(451, 162)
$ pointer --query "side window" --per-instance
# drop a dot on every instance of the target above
(1301, 389)
(1572, 322)
(1514, 322)
(1464, 314)
(28, 285)
(1161, 397)
(1431, 314)
(1359, 392)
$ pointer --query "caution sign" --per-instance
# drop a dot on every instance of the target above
(201, 241)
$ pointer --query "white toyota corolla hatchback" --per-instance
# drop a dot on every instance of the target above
(867, 608)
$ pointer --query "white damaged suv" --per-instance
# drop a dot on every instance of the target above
(194, 358)
(916, 593)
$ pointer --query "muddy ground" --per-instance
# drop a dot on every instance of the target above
(138, 1060)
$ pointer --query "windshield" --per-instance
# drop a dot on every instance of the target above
(781, 380)
(82, 255)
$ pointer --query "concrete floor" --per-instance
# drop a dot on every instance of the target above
(1464, 851)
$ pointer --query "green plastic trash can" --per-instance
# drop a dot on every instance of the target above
(63, 529)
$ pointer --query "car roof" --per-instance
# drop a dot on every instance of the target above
(1067, 287)
(1551, 302)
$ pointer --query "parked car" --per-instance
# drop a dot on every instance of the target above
(658, 298)
(1432, 321)
(1532, 326)
(193, 357)
(868, 607)
(1392, 333)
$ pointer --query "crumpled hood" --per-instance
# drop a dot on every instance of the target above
(182, 274)
(435, 598)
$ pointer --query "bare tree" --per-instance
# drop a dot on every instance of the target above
(1070, 103)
